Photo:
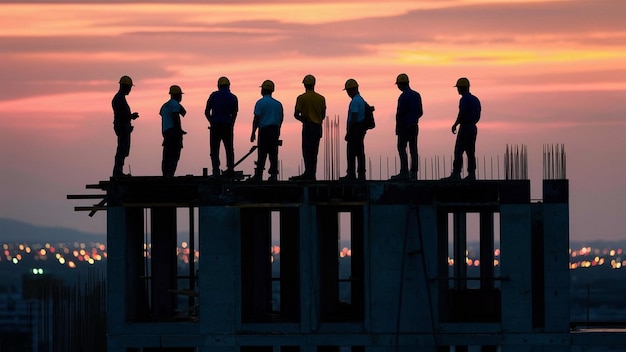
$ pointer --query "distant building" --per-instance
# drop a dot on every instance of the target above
(16, 319)
(41, 313)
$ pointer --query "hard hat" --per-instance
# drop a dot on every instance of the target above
(175, 90)
(351, 83)
(126, 80)
(223, 81)
(309, 79)
(402, 78)
(267, 84)
(462, 82)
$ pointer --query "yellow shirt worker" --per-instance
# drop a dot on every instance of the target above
(310, 109)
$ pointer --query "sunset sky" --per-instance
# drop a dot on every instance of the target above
(547, 72)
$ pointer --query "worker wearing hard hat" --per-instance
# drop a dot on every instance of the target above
(122, 124)
(355, 133)
(268, 118)
(408, 112)
(171, 128)
(310, 109)
(469, 114)
(221, 112)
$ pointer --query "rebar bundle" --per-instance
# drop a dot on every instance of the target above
(331, 148)
(516, 162)
(554, 163)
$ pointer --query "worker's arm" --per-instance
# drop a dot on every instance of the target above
(456, 123)
(255, 125)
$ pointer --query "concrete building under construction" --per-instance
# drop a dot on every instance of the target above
(408, 289)
(403, 294)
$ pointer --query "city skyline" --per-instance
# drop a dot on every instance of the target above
(71, 255)
(547, 72)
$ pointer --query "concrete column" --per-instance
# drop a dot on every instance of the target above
(388, 282)
(116, 282)
(428, 296)
(125, 267)
(309, 272)
(537, 259)
(515, 220)
(556, 234)
(219, 278)
(402, 296)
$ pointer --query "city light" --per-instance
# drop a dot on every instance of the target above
(90, 254)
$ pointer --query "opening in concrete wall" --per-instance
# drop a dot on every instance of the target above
(469, 287)
(341, 263)
(270, 265)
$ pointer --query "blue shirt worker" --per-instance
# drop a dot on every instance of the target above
(171, 128)
(268, 118)
(310, 109)
(408, 113)
(468, 117)
(122, 126)
(221, 112)
(355, 133)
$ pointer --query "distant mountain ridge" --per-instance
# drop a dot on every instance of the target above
(13, 231)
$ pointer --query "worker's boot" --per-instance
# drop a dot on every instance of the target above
(257, 177)
(304, 177)
(348, 177)
(471, 176)
(402, 176)
(454, 176)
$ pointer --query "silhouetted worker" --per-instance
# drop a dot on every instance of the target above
(121, 124)
(408, 112)
(268, 118)
(221, 111)
(355, 133)
(469, 114)
(171, 113)
(310, 109)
